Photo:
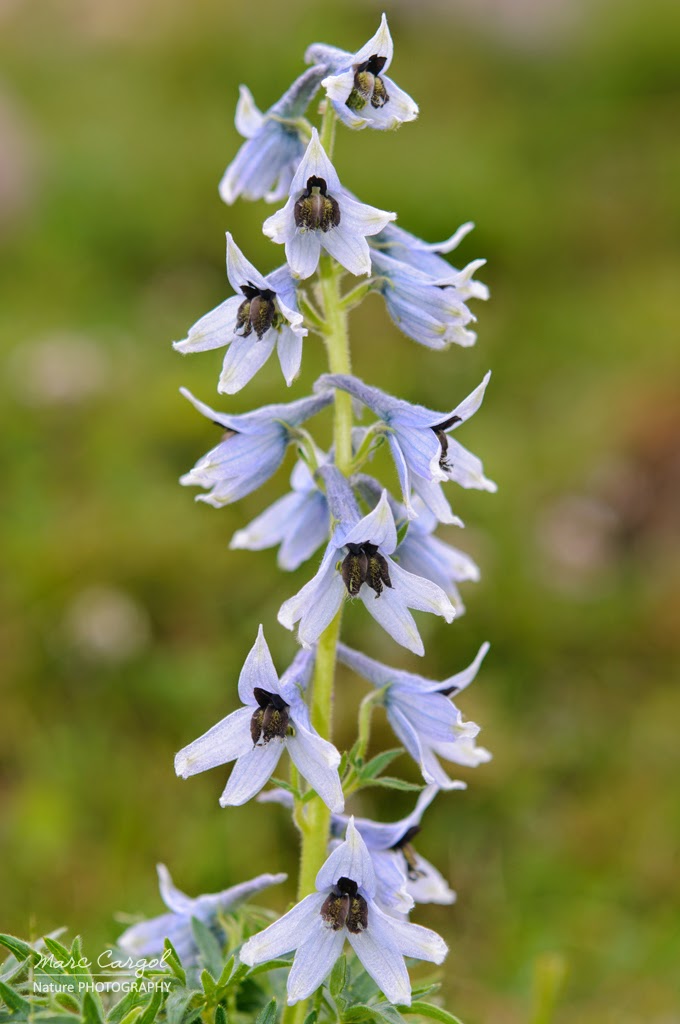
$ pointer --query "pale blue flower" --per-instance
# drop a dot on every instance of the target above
(274, 717)
(361, 94)
(403, 877)
(265, 163)
(357, 562)
(430, 310)
(261, 316)
(419, 551)
(251, 450)
(321, 214)
(344, 907)
(298, 522)
(146, 938)
(423, 715)
(425, 256)
(423, 452)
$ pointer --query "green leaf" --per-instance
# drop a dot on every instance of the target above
(177, 1006)
(429, 1010)
(268, 1015)
(15, 1002)
(220, 1014)
(208, 983)
(380, 1014)
(209, 949)
(91, 1010)
(311, 1017)
(171, 958)
(58, 951)
(402, 530)
(21, 950)
(426, 988)
(378, 764)
(151, 1012)
(338, 976)
(133, 1015)
(130, 1000)
(388, 782)
(68, 1001)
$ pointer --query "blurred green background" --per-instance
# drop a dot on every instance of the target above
(125, 619)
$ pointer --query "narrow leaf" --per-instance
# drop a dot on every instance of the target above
(268, 1015)
(338, 976)
(429, 1010)
(379, 763)
(388, 782)
(15, 1002)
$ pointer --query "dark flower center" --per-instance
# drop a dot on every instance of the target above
(440, 433)
(368, 86)
(364, 564)
(257, 312)
(404, 847)
(315, 210)
(344, 907)
(271, 718)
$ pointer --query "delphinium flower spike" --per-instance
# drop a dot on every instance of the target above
(361, 93)
(274, 717)
(146, 938)
(422, 713)
(344, 907)
(262, 315)
(275, 141)
(320, 214)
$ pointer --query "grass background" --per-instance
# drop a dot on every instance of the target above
(125, 619)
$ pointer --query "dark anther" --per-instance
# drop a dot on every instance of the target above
(403, 845)
(344, 906)
(271, 718)
(257, 312)
(368, 86)
(354, 569)
(378, 575)
(439, 432)
(315, 209)
(365, 564)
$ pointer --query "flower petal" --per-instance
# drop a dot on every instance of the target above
(317, 603)
(289, 348)
(241, 271)
(350, 859)
(226, 741)
(303, 249)
(380, 957)
(214, 330)
(285, 934)
(317, 761)
(251, 772)
(243, 360)
(420, 593)
(391, 612)
(248, 118)
(413, 940)
(258, 670)
(314, 960)
(377, 527)
(174, 898)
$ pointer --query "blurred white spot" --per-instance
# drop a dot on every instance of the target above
(577, 535)
(107, 624)
(62, 369)
(17, 177)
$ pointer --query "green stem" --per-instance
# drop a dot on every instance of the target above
(337, 346)
(315, 823)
